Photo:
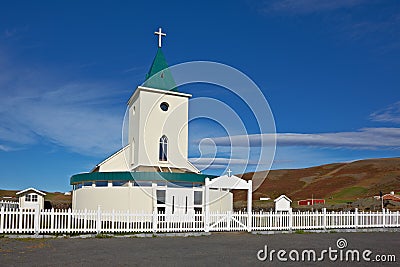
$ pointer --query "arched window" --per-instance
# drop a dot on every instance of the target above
(163, 148)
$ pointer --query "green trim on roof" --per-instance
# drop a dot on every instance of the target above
(139, 176)
(159, 75)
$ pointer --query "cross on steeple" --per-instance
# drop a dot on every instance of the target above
(160, 35)
(229, 173)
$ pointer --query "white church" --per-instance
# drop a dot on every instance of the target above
(152, 172)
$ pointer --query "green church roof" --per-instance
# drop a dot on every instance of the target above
(140, 176)
(159, 75)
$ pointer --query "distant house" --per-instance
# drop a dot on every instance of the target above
(392, 196)
(31, 198)
(311, 201)
(282, 203)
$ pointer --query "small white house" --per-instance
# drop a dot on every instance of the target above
(31, 198)
(282, 203)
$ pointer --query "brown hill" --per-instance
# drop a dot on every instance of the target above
(338, 182)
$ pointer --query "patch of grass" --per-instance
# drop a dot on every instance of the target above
(338, 201)
(127, 233)
(299, 232)
(103, 236)
(350, 192)
(74, 234)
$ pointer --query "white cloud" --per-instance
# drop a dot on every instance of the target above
(366, 138)
(389, 114)
(84, 117)
(4, 148)
(222, 161)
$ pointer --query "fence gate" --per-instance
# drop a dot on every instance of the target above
(228, 221)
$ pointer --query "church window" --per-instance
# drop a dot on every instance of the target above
(198, 197)
(28, 198)
(142, 183)
(101, 183)
(163, 148)
(34, 198)
(119, 183)
(160, 196)
(87, 183)
(132, 152)
(164, 106)
(173, 204)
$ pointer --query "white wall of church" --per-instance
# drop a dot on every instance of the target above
(132, 199)
(139, 199)
(134, 130)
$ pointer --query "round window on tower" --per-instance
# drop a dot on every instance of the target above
(164, 106)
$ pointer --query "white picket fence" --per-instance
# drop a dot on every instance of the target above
(98, 221)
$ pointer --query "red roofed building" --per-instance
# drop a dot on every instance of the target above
(391, 197)
(311, 201)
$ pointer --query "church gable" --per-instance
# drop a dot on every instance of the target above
(115, 162)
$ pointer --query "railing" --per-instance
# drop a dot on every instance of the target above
(9, 204)
(98, 221)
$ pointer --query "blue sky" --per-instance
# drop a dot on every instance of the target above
(329, 70)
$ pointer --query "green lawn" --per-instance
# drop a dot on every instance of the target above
(350, 193)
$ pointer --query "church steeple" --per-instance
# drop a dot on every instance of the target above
(159, 76)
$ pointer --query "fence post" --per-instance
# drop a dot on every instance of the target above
(155, 210)
(85, 221)
(113, 221)
(52, 230)
(249, 220)
(69, 226)
(324, 218)
(2, 219)
(229, 220)
(37, 220)
(356, 218)
(207, 205)
(98, 221)
(383, 218)
(155, 220)
(290, 219)
(20, 217)
(249, 205)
